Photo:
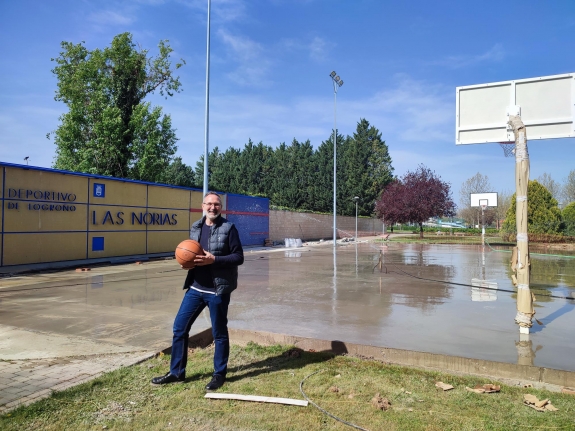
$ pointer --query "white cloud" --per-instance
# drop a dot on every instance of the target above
(410, 111)
(318, 48)
(495, 54)
(252, 63)
(221, 10)
(110, 17)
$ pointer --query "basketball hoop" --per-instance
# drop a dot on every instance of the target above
(508, 148)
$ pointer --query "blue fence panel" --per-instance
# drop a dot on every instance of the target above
(251, 215)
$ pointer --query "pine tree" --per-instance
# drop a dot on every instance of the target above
(366, 169)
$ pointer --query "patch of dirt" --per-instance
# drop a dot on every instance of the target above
(114, 410)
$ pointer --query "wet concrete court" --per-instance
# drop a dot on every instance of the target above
(130, 308)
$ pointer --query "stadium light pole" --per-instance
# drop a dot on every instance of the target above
(356, 199)
(207, 120)
(337, 82)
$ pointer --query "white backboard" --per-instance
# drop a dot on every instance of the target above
(487, 199)
(546, 105)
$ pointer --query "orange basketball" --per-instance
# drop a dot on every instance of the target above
(186, 252)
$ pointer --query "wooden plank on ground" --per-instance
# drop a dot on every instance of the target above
(256, 398)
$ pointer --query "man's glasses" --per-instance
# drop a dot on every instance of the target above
(217, 205)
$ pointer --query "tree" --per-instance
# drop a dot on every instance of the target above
(569, 219)
(476, 184)
(224, 170)
(366, 169)
(108, 130)
(503, 204)
(253, 175)
(153, 143)
(322, 190)
(213, 163)
(296, 176)
(471, 217)
(292, 175)
(569, 188)
(551, 185)
(179, 174)
(390, 207)
(426, 195)
(543, 214)
(416, 197)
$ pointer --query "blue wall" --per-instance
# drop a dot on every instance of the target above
(251, 215)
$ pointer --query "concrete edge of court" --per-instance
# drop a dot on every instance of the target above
(511, 374)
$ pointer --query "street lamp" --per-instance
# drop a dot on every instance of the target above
(207, 113)
(337, 82)
(356, 199)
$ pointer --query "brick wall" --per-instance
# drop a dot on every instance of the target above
(287, 224)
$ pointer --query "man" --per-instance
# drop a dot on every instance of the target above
(209, 284)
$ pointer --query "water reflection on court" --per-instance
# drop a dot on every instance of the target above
(421, 299)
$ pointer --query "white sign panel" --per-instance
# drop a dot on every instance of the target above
(546, 106)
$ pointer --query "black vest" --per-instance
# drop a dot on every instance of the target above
(225, 277)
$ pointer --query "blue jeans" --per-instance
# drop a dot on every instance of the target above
(192, 305)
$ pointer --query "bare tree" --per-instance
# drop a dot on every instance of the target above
(467, 214)
(551, 185)
(568, 194)
(476, 184)
(503, 204)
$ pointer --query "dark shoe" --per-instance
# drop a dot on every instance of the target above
(167, 378)
(216, 383)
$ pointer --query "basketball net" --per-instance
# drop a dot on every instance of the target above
(508, 148)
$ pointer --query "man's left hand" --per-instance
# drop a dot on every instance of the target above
(206, 259)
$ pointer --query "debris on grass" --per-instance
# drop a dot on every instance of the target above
(567, 390)
(334, 389)
(380, 402)
(484, 389)
(541, 406)
(443, 386)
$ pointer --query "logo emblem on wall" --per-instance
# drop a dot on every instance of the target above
(99, 190)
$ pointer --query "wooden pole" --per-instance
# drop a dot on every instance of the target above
(520, 259)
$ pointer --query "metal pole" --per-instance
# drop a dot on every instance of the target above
(207, 124)
(356, 220)
(334, 163)
(337, 82)
(482, 226)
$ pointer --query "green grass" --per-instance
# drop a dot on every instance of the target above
(125, 400)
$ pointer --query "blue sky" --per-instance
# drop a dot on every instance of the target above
(270, 65)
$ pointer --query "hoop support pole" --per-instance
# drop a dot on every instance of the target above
(521, 265)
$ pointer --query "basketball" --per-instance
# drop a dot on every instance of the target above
(186, 252)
